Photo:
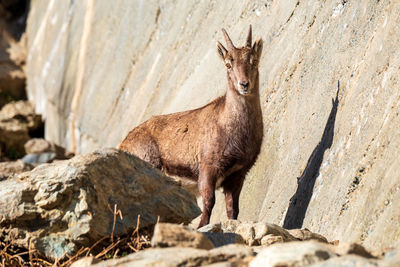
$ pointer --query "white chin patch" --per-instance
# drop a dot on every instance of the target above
(242, 92)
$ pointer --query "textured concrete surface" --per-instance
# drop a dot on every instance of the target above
(98, 68)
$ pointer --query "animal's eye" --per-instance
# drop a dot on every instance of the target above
(228, 65)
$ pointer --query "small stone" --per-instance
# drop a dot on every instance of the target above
(211, 228)
(230, 225)
(246, 230)
(85, 262)
(252, 233)
(40, 146)
(36, 159)
(173, 235)
(223, 239)
(262, 229)
(305, 234)
(297, 253)
(271, 239)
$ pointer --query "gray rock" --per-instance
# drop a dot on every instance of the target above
(222, 234)
(222, 239)
(293, 254)
(36, 159)
(271, 239)
(251, 233)
(64, 205)
(173, 235)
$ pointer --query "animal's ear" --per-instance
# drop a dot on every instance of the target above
(221, 51)
(257, 48)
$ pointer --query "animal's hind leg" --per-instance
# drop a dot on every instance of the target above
(232, 186)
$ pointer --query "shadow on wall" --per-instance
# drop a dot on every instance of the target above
(298, 204)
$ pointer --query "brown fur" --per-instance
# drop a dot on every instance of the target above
(214, 145)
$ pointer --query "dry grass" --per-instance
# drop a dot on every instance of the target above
(105, 248)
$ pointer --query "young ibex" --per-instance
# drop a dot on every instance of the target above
(216, 144)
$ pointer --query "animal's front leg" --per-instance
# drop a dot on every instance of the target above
(206, 184)
(232, 187)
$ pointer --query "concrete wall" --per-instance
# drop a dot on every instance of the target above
(98, 68)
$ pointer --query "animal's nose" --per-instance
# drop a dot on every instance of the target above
(244, 84)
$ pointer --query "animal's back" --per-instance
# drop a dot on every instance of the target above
(170, 142)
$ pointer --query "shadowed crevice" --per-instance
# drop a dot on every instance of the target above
(299, 202)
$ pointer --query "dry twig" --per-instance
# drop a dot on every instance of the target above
(113, 247)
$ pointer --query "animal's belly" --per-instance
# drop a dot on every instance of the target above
(188, 184)
(182, 170)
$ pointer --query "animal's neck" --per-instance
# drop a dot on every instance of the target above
(242, 121)
(242, 106)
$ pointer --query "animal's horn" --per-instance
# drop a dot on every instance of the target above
(228, 40)
(222, 48)
(248, 41)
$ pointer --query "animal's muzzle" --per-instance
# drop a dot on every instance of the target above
(244, 85)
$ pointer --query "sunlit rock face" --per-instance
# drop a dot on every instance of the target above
(96, 69)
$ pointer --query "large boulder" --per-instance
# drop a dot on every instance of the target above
(61, 206)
